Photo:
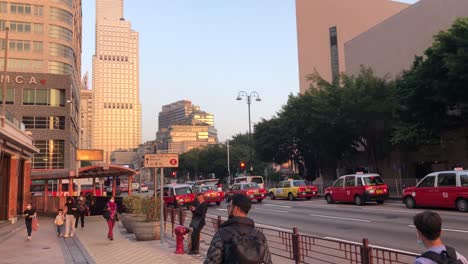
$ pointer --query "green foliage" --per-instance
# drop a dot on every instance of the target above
(133, 204)
(151, 208)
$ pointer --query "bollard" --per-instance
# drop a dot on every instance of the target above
(365, 252)
(180, 231)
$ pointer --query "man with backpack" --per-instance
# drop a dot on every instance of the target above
(429, 228)
(237, 240)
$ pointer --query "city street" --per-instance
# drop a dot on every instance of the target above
(388, 225)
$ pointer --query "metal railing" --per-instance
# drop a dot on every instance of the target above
(14, 121)
(294, 247)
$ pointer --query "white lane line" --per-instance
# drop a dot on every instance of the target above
(448, 229)
(390, 210)
(221, 209)
(379, 247)
(341, 218)
(271, 210)
(283, 206)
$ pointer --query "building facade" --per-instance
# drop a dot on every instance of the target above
(86, 115)
(183, 126)
(43, 76)
(116, 102)
(323, 26)
(391, 46)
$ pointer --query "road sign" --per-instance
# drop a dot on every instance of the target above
(162, 160)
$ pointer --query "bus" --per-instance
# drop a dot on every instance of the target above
(38, 188)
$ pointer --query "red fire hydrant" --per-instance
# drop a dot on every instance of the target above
(180, 231)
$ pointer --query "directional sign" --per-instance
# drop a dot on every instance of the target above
(162, 160)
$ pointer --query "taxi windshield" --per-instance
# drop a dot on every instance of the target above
(373, 180)
(250, 185)
(183, 190)
(299, 183)
(207, 188)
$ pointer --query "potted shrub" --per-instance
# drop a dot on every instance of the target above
(149, 228)
(132, 206)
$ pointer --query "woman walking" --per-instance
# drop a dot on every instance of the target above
(82, 208)
(29, 214)
(70, 212)
(110, 213)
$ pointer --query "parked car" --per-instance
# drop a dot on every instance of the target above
(358, 188)
(249, 189)
(178, 195)
(210, 192)
(443, 189)
(292, 189)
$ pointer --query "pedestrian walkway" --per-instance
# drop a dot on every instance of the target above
(45, 246)
(125, 249)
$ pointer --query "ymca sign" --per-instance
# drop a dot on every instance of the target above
(19, 79)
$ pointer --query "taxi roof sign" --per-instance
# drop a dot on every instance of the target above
(458, 168)
(359, 173)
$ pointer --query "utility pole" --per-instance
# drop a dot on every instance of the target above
(4, 90)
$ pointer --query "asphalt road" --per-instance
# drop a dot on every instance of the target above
(388, 225)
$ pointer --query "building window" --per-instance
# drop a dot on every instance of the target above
(51, 154)
(49, 97)
(21, 65)
(60, 50)
(40, 122)
(3, 7)
(20, 27)
(38, 10)
(59, 32)
(56, 67)
(68, 3)
(2, 25)
(22, 9)
(38, 28)
(17, 45)
(335, 64)
(37, 46)
(10, 98)
(61, 15)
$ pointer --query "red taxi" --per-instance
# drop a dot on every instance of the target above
(358, 188)
(210, 192)
(178, 195)
(443, 189)
(249, 189)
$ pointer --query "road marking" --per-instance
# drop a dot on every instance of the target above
(220, 209)
(341, 218)
(271, 210)
(374, 246)
(284, 206)
(389, 210)
(448, 229)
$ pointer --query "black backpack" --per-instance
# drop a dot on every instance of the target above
(448, 256)
(247, 249)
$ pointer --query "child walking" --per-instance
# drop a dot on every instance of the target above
(59, 221)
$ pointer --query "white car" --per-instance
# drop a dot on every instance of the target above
(144, 188)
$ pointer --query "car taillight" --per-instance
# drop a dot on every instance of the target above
(250, 192)
(301, 189)
(219, 194)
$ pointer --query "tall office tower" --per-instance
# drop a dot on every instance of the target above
(43, 77)
(86, 114)
(116, 102)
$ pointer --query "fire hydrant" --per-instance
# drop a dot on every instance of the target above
(180, 231)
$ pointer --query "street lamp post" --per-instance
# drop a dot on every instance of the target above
(249, 97)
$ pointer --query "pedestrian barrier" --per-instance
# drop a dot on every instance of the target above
(294, 247)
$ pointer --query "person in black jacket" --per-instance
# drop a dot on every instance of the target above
(29, 214)
(198, 222)
(237, 240)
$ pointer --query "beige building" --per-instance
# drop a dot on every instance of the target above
(183, 126)
(43, 76)
(116, 101)
(391, 46)
(323, 26)
(86, 114)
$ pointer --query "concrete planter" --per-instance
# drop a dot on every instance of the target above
(131, 220)
(146, 231)
(124, 218)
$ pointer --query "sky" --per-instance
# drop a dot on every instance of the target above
(207, 51)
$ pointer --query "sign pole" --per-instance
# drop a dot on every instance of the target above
(161, 207)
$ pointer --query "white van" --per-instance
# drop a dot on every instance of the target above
(256, 179)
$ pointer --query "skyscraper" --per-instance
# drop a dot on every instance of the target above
(43, 77)
(116, 101)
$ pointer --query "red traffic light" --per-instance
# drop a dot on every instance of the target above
(242, 165)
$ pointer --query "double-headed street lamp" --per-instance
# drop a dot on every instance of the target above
(249, 101)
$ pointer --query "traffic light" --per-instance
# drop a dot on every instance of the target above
(242, 165)
(173, 173)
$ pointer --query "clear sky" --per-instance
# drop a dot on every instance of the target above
(207, 51)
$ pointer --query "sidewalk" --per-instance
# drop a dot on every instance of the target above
(45, 246)
(124, 248)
